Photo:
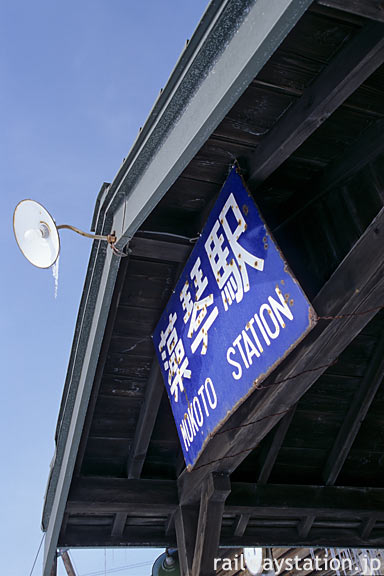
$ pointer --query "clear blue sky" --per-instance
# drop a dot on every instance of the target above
(78, 79)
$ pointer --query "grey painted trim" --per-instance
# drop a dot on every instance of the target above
(233, 41)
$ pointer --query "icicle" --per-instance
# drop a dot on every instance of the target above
(55, 272)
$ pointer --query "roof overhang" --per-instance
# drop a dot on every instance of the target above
(230, 46)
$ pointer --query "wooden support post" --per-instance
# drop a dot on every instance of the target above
(356, 415)
(354, 63)
(146, 422)
(214, 493)
(186, 525)
(54, 567)
(273, 451)
(67, 563)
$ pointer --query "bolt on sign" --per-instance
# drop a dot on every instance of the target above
(236, 312)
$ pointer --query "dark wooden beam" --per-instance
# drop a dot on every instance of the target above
(156, 249)
(186, 519)
(292, 501)
(350, 299)
(356, 157)
(119, 524)
(100, 536)
(351, 66)
(331, 537)
(106, 496)
(67, 563)
(146, 422)
(372, 9)
(273, 450)
(213, 496)
(114, 495)
(356, 414)
(333, 514)
(276, 535)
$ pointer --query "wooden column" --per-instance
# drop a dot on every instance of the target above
(186, 525)
(54, 567)
(215, 491)
(67, 563)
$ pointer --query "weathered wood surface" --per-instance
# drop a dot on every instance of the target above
(350, 68)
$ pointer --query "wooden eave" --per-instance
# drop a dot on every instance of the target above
(309, 467)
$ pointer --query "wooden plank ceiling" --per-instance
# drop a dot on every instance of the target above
(308, 135)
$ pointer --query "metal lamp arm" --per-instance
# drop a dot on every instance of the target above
(111, 238)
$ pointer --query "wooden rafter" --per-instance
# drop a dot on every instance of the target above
(273, 450)
(146, 422)
(356, 157)
(356, 415)
(347, 71)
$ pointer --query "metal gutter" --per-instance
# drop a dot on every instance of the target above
(231, 44)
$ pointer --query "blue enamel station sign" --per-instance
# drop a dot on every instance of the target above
(236, 312)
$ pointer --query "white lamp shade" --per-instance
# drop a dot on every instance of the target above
(36, 233)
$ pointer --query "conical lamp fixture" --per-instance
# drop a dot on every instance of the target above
(37, 235)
